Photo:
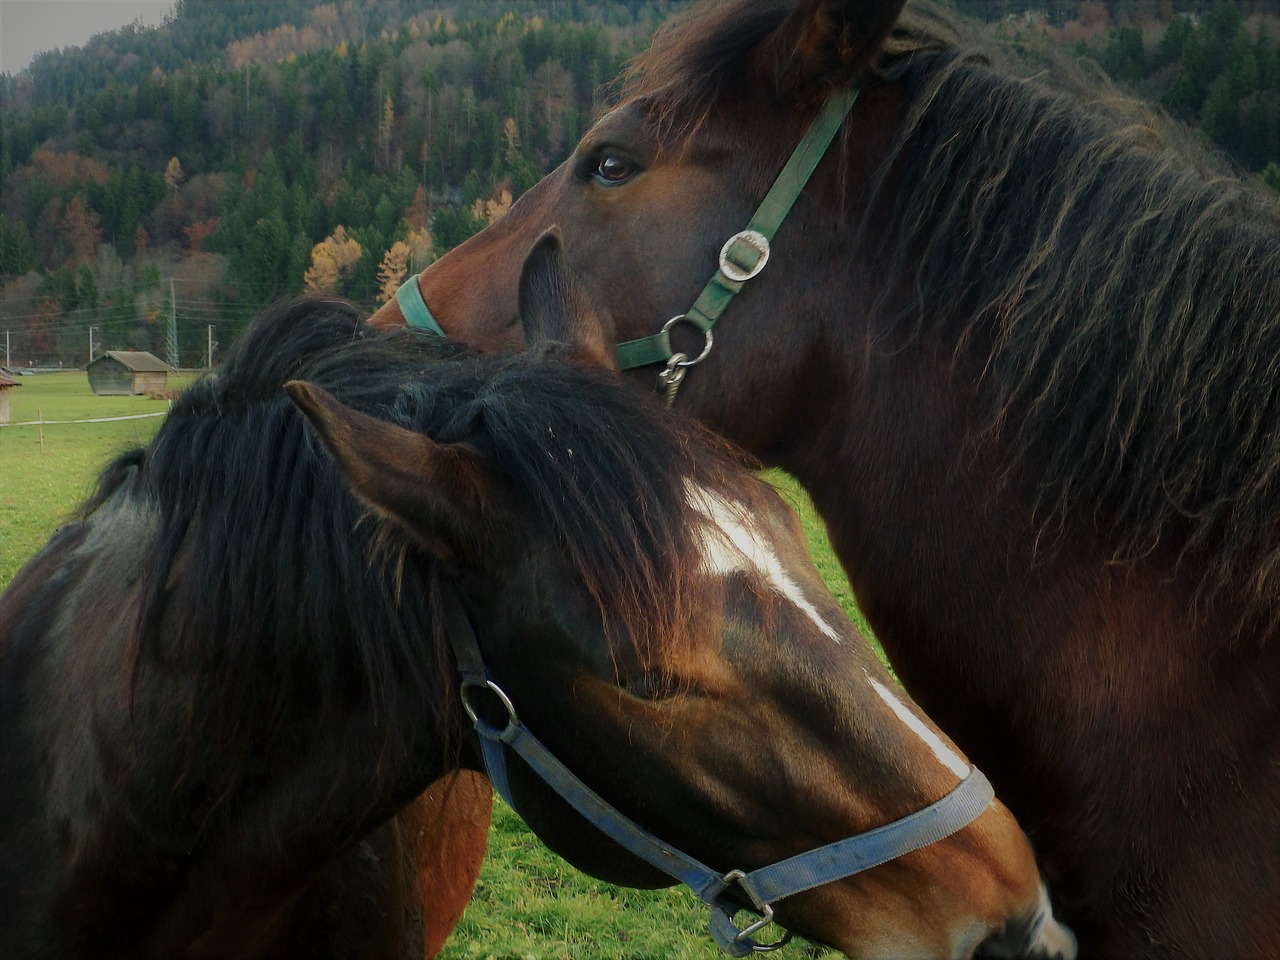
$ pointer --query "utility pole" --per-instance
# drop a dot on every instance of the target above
(7, 362)
(171, 341)
(91, 329)
(209, 355)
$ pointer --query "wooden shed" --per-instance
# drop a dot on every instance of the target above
(5, 383)
(122, 372)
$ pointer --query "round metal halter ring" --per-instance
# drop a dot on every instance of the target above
(706, 346)
(483, 726)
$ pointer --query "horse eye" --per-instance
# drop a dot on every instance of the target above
(655, 686)
(613, 169)
(646, 686)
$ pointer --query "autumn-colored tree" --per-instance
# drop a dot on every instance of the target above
(173, 176)
(421, 249)
(489, 210)
(198, 233)
(332, 261)
(415, 215)
(322, 276)
(392, 270)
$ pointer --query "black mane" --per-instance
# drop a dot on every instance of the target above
(265, 573)
(1119, 297)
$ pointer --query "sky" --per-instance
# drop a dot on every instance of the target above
(30, 26)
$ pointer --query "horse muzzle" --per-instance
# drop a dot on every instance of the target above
(1036, 936)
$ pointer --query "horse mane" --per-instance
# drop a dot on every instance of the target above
(262, 552)
(265, 560)
(699, 55)
(1119, 296)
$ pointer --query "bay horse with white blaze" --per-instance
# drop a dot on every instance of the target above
(222, 687)
(1023, 358)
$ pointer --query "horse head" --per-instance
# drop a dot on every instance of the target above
(757, 722)
(654, 189)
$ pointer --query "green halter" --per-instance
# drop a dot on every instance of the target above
(416, 312)
(744, 254)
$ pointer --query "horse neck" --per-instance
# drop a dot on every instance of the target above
(1057, 671)
(139, 805)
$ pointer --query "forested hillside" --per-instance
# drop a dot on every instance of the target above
(245, 151)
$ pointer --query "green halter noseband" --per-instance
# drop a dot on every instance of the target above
(416, 312)
(742, 257)
(744, 254)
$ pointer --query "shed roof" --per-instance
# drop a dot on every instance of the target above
(138, 361)
(6, 381)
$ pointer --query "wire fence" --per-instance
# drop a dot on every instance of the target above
(45, 423)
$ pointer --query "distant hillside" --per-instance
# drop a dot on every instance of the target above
(184, 175)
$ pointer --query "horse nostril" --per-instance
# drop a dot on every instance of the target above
(1036, 936)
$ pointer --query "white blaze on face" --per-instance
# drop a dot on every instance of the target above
(728, 546)
(948, 757)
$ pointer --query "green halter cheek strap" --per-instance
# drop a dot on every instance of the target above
(416, 312)
(745, 254)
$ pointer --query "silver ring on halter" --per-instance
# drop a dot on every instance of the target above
(483, 726)
(759, 245)
(706, 346)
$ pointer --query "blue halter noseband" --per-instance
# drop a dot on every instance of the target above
(762, 887)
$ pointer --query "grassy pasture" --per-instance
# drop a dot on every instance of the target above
(528, 904)
(42, 484)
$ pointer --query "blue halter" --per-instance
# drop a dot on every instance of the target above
(762, 887)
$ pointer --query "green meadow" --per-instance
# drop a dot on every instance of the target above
(528, 903)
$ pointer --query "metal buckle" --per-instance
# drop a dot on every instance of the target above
(766, 918)
(757, 242)
(483, 726)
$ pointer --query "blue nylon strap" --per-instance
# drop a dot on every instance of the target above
(416, 312)
(846, 857)
(706, 884)
(835, 861)
(615, 825)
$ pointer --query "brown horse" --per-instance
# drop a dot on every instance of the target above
(221, 686)
(1023, 358)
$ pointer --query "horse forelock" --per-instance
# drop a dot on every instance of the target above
(262, 577)
(693, 57)
(612, 489)
(697, 57)
(1115, 295)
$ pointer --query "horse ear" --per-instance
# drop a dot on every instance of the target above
(557, 309)
(442, 495)
(826, 43)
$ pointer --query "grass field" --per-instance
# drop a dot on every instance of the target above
(528, 904)
(45, 472)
